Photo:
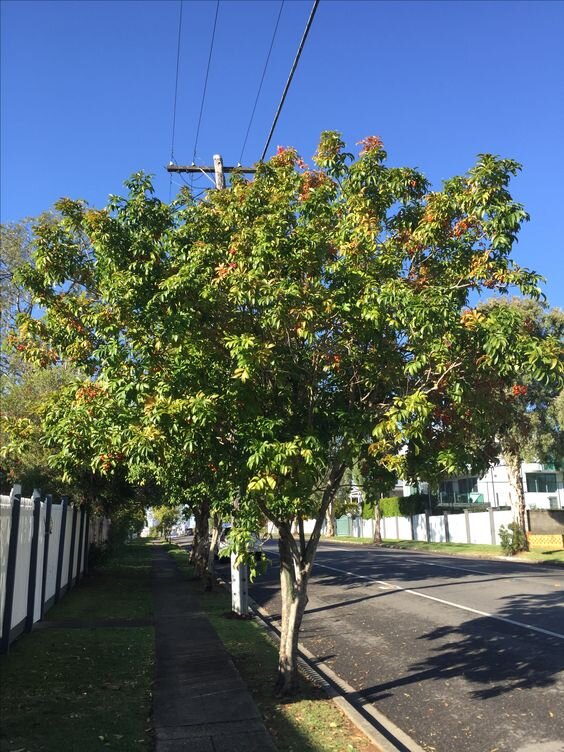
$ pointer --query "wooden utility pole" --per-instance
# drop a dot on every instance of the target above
(218, 169)
(239, 572)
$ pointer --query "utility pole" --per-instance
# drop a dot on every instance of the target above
(239, 572)
(218, 169)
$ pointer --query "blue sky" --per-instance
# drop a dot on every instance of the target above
(87, 94)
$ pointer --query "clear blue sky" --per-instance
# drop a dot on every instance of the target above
(87, 94)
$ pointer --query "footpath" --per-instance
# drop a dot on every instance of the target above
(200, 702)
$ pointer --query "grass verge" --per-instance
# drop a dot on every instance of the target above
(306, 722)
(85, 689)
(480, 550)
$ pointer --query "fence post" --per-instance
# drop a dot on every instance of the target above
(427, 527)
(447, 531)
(49, 504)
(64, 505)
(397, 527)
(80, 545)
(492, 525)
(87, 541)
(72, 546)
(16, 500)
(32, 579)
(467, 521)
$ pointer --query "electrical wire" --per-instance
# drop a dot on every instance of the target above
(205, 84)
(176, 82)
(261, 82)
(289, 81)
(172, 160)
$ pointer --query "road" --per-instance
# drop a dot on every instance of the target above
(461, 654)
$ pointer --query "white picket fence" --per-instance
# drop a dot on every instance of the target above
(43, 553)
(466, 527)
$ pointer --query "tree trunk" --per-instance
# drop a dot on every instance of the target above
(330, 525)
(210, 566)
(377, 517)
(200, 544)
(296, 562)
(294, 575)
(518, 493)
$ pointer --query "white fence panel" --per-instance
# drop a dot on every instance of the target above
(404, 528)
(457, 528)
(5, 527)
(501, 517)
(437, 529)
(480, 530)
(54, 539)
(368, 528)
(25, 532)
(66, 550)
(39, 569)
(76, 545)
(420, 527)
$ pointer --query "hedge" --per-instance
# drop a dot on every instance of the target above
(403, 506)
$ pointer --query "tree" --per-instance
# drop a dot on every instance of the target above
(526, 396)
(283, 321)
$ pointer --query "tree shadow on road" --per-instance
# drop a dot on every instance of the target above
(499, 656)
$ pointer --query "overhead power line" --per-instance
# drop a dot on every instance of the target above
(175, 96)
(176, 82)
(205, 82)
(289, 81)
(261, 81)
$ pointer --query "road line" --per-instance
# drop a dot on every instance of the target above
(397, 588)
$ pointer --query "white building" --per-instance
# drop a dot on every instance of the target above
(543, 484)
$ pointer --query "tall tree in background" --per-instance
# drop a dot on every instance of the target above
(287, 319)
(525, 400)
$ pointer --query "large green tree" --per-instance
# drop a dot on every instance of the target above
(284, 320)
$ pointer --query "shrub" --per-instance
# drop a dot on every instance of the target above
(402, 506)
(512, 539)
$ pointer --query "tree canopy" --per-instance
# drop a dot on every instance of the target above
(268, 336)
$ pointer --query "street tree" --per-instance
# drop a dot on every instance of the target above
(287, 318)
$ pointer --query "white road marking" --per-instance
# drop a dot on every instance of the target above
(447, 603)
(449, 566)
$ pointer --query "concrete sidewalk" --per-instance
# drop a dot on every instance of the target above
(200, 702)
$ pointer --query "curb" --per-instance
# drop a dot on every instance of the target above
(374, 725)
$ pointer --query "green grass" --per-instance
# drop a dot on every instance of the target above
(119, 588)
(84, 689)
(461, 549)
(307, 722)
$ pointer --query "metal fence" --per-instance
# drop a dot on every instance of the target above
(43, 553)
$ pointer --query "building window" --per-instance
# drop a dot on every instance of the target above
(467, 485)
(541, 482)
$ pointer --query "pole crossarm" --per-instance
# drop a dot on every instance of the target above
(196, 168)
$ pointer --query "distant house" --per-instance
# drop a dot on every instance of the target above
(544, 487)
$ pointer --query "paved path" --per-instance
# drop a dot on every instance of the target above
(200, 702)
(461, 654)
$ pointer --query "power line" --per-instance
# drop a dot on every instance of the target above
(261, 81)
(289, 81)
(205, 82)
(175, 96)
(176, 82)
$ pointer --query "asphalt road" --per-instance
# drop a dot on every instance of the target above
(461, 654)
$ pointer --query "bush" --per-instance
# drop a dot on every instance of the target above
(402, 506)
(512, 539)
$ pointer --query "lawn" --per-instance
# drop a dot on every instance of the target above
(85, 689)
(461, 549)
